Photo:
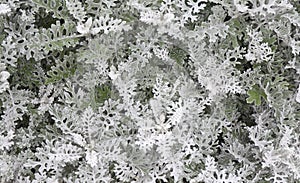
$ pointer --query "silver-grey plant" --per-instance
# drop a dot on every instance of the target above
(200, 91)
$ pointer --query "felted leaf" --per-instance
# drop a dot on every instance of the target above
(57, 7)
(64, 68)
(57, 37)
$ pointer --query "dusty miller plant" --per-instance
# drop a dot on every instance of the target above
(149, 91)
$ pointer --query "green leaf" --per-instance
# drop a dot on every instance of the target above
(255, 94)
(178, 55)
(27, 74)
(128, 17)
(102, 93)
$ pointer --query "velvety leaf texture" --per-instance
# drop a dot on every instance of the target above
(137, 91)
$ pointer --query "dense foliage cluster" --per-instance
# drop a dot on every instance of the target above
(149, 91)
